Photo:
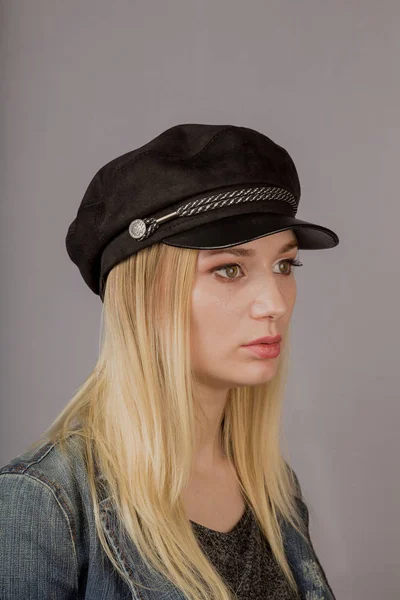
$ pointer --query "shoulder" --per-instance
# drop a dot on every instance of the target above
(48, 463)
(47, 472)
(42, 504)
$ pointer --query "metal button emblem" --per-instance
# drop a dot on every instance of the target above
(137, 228)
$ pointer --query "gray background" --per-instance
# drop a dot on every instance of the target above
(85, 81)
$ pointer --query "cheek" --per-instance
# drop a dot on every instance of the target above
(211, 317)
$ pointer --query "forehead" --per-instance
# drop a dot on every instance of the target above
(278, 242)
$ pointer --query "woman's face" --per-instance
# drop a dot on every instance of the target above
(232, 306)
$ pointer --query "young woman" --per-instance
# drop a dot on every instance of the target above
(163, 477)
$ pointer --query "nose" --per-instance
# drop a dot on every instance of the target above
(270, 302)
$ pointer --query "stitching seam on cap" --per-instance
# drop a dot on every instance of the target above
(135, 158)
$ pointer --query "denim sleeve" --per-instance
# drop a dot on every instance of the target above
(37, 551)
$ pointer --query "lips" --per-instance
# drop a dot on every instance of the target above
(264, 350)
(265, 340)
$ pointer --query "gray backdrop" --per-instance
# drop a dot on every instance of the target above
(85, 81)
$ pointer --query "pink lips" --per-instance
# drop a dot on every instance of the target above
(265, 347)
(266, 340)
(264, 350)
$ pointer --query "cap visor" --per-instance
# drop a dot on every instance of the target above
(238, 229)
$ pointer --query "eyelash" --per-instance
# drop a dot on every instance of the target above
(292, 261)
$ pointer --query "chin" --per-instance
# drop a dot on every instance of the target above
(262, 376)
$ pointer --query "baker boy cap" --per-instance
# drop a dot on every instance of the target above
(194, 186)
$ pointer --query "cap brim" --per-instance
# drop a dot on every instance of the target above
(232, 230)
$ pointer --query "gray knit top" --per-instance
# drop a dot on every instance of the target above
(244, 559)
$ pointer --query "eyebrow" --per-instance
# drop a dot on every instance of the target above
(248, 251)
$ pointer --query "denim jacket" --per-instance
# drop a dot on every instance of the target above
(49, 548)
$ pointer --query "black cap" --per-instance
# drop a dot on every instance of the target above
(194, 186)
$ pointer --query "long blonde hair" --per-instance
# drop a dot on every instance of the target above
(136, 413)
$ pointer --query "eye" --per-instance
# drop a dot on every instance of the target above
(232, 266)
(293, 262)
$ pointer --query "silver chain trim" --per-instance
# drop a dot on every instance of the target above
(141, 229)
